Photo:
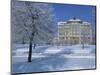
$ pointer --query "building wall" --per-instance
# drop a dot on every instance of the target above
(74, 32)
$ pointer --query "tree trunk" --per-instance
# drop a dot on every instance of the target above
(34, 45)
(23, 41)
(30, 48)
(83, 46)
(30, 52)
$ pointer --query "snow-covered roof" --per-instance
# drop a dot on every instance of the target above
(75, 19)
(86, 23)
(61, 23)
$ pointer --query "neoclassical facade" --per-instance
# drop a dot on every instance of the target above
(74, 31)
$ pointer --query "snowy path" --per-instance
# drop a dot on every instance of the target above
(54, 49)
(53, 58)
(63, 55)
(41, 52)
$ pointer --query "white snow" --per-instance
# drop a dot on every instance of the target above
(78, 56)
(81, 51)
(53, 50)
(75, 49)
(54, 58)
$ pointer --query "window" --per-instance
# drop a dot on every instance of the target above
(62, 38)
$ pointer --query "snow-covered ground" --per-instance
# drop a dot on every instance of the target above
(53, 58)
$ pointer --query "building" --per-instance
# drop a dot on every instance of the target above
(74, 31)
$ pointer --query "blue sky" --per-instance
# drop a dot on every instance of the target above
(63, 12)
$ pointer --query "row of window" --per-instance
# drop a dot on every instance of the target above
(87, 32)
(68, 37)
(65, 34)
(74, 38)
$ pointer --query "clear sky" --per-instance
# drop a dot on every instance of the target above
(64, 12)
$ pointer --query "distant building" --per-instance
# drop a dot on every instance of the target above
(74, 31)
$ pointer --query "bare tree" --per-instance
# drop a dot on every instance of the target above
(35, 22)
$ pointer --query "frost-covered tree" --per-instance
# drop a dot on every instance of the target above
(32, 22)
